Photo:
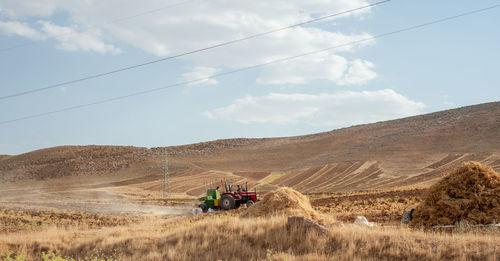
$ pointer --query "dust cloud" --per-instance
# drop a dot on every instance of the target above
(82, 198)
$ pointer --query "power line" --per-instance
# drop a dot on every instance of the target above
(253, 66)
(186, 53)
(121, 19)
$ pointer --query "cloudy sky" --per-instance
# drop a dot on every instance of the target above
(46, 42)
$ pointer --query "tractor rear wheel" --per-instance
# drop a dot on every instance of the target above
(227, 202)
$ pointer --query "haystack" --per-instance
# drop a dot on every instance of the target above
(283, 201)
(471, 193)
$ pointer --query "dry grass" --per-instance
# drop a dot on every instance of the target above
(471, 193)
(384, 207)
(283, 201)
(226, 237)
(12, 220)
(272, 177)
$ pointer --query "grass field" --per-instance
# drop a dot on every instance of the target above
(68, 235)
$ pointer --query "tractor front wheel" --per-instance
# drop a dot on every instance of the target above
(227, 202)
(249, 203)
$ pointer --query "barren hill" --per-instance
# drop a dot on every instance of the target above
(69, 160)
(413, 151)
(2, 157)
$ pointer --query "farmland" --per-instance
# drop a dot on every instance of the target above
(211, 236)
(106, 202)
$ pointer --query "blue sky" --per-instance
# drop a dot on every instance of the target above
(446, 65)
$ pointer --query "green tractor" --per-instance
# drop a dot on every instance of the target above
(211, 200)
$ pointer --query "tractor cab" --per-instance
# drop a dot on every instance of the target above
(234, 197)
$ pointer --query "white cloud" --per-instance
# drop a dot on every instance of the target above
(22, 9)
(320, 66)
(71, 40)
(203, 23)
(340, 109)
(359, 73)
(199, 73)
(20, 29)
(68, 38)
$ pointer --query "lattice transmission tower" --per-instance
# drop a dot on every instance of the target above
(166, 177)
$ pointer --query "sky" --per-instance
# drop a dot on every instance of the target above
(47, 42)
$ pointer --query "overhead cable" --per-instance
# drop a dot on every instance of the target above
(183, 54)
(251, 67)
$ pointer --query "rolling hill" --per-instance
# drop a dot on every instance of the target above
(408, 152)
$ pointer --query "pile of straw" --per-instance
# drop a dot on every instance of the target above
(283, 201)
(471, 194)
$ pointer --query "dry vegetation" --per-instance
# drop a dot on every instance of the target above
(257, 233)
(469, 194)
(243, 234)
(15, 220)
(283, 201)
(228, 237)
(383, 207)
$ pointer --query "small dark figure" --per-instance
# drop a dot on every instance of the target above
(407, 217)
(203, 207)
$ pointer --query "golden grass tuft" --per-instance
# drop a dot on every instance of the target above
(471, 193)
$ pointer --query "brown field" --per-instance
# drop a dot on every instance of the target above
(106, 201)
(212, 237)
(382, 207)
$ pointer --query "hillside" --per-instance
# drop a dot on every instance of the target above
(413, 151)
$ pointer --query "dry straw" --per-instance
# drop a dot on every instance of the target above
(471, 193)
(283, 201)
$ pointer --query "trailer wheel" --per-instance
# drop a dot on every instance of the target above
(227, 202)
(249, 203)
